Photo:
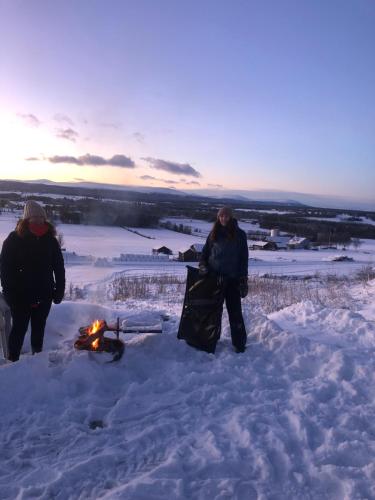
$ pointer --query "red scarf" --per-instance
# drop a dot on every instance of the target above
(38, 229)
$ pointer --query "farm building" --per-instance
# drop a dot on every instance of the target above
(197, 247)
(280, 241)
(262, 245)
(162, 250)
(298, 242)
(192, 254)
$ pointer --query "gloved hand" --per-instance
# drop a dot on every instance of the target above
(203, 270)
(244, 287)
(57, 297)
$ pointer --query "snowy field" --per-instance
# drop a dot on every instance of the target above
(110, 242)
(291, 418)
(202, 228)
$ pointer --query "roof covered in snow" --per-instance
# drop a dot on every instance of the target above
(297, 240)
(258, 243)
(198, 247)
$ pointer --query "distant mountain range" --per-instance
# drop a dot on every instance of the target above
(272, 197)
(292, 198)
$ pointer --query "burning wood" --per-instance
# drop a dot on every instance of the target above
(92, 338)
(95, 344)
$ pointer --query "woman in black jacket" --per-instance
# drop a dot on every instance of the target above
(32, 276)
(226, 254)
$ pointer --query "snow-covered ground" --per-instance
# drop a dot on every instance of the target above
(202, 228)
(110, 242)
(291, 418)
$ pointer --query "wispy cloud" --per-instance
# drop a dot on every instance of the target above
(32, 158)
(184, 181)
(157, 179)
(114, 125)
(61, 118)
(139, 137)
(93, 160)
(148, 178)
(67, 133)
(172, 167)
(215, 185)
(29, 119)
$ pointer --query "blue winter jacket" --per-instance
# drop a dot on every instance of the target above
(226, 256)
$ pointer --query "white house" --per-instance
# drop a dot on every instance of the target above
(299, 242)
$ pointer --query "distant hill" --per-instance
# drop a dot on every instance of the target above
(259, 198)
(121, 192)
(290, 198)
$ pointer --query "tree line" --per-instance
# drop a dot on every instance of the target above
(323, 232)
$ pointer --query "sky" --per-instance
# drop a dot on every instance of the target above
(250, 95)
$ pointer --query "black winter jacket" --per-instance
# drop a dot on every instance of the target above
(31, 268)
(225, 256)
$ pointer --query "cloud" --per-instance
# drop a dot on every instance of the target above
(67, 133)
(139, 137)
(152, 178)
(79, 179)
(184, 181)
(215, 185)
(64, 159)
(30, 119)
(148, 178)
(114, 125)
(93, 160)
(61, 118)
(121, 161)
(32, 158)
(172, 167)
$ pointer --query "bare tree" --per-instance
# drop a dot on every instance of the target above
(356, 242)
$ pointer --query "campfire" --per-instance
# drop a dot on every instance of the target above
(91, 338)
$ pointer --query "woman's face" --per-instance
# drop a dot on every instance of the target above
(224, 218)
(36, 220)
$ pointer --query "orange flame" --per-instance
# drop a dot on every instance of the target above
(95, 344)
(94, 327)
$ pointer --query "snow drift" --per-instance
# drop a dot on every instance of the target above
(292, 417)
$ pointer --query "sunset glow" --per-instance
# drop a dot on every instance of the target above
(255, 97)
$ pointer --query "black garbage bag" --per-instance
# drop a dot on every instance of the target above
(200, 324)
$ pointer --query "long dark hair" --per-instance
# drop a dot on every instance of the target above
(230, 229)
(22, 228)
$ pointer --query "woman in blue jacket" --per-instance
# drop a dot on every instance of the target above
(226, 254)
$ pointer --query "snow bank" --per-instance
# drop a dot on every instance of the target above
(292, 417)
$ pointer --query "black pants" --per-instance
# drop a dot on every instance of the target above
(22, 314)
(233, 304)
